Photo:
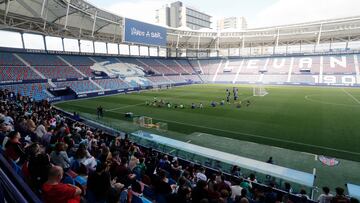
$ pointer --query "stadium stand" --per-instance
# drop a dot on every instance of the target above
(94, 157)
(176, 79)
(42, 59)
(138, 62)
(194, 78)
(38, 91)
(78, 60)
(15, 73)
(159, 80)
(8, 59)
(79, 87)
(269, 70)
(63, 72)
(112, 84)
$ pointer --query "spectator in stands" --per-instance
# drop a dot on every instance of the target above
(270, 195)
(200, 192)
(31, 124)
(303, 194)
(13, 147)
(163, 187)
(235, 189)
(140, 169)
(41, 129)
(244, 196)
(340, 196)
(288, 188)
(59, 156)
(245, 185)
(175, 169)
(8, 119)
(200, 175)
(38, 165)
(56, 192)
(236, 171)
(221, 185)
(164, 163)
(134, 194)
(325, 197)
(46, 138)
(183, 195)
(252, 178)
(211, 182)
(99, 184)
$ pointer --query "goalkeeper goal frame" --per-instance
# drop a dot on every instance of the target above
(259, 91)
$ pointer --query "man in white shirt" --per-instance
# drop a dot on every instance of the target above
(325, 197)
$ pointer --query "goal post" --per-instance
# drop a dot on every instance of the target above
(259, 91)
(143, 121)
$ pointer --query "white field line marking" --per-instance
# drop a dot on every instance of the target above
(316, 157)
(188, 141)
(124, 107)
(308, 98)
(257, 136)
(350, 95)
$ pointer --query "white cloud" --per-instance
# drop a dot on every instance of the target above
(297, 11)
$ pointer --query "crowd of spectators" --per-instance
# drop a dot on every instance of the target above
(67, 161)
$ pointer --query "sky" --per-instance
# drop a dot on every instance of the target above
(259, 13)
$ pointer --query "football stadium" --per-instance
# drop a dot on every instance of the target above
(101, 106)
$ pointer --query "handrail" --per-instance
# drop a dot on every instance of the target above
(19, 189)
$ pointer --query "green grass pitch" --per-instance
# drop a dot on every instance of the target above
(318, 120)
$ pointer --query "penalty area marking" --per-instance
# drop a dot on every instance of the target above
(308, 98)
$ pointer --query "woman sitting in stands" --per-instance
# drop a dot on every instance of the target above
(59, 157)
(13, 149)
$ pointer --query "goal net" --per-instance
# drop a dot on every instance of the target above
(143, 121)
(259, 91)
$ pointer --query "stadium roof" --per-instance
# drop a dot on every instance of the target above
(80, 19)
